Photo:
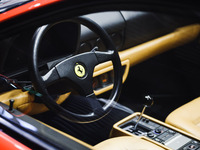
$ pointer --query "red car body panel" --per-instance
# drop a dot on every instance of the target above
(8, 143)
(33, 5)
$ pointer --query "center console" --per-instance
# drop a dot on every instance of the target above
(157, 132)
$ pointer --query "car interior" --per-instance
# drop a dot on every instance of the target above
(122, 79)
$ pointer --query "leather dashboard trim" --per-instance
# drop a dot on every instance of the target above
(101, 69)
(160, 45)
(142, 52)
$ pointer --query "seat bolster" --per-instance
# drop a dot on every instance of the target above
(187, 117)
(126, 143)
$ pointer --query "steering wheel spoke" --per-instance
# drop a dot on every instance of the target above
(89, 92)
(104, 56)
(85, 88)
(50, 76)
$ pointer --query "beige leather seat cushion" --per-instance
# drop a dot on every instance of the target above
(187, 117)
(126, 143)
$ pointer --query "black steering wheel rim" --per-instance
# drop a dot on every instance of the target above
(40, 86)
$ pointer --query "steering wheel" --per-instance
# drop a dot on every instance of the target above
(78, 69)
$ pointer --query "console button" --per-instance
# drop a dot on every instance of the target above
(136, 133)
(150, 134)
(163, 143)
(143, 119)
(147, 120)
(158, 131)
(130, 130)
(191, 147)
(157, 140)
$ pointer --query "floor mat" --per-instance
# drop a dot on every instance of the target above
(91, 133)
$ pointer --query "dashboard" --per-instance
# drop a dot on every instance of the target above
(126, 28)
(66, 38)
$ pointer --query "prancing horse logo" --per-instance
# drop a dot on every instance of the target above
(79, 70)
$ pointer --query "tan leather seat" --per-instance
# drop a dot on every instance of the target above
(187, 117)
(24, 102)
(126, 143)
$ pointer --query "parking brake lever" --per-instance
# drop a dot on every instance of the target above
(148, 103)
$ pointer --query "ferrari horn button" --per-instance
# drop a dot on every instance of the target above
(79, 70)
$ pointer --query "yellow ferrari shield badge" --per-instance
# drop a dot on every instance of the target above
(79, 70)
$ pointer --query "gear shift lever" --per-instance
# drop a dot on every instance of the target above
(149, 102)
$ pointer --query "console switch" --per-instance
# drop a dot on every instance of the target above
(158, 131)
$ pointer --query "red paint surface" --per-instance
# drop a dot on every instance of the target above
(8, 143)
(30, 6)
